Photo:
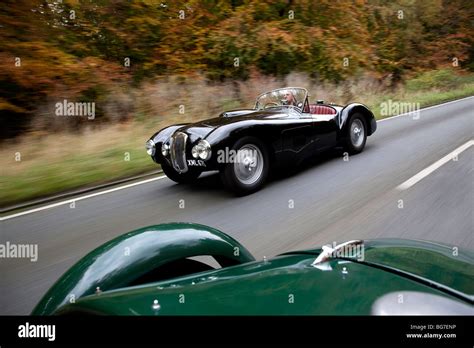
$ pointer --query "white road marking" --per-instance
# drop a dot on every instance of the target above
(161, 177)
(428, 170)
(80, 198)
(423, 109)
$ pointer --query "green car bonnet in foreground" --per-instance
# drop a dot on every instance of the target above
(158, 270)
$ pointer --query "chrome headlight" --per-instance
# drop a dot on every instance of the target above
(165, 149)
(150, 147)
(202, 150)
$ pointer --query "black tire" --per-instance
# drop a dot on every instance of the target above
(183, 178)
(233, 181)
(354, 144)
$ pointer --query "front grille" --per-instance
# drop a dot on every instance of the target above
(178, 152)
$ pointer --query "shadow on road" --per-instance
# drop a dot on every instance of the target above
(210, 183)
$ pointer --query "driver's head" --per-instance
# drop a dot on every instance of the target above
(289, 98)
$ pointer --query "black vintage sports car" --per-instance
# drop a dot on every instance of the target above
(282, 129)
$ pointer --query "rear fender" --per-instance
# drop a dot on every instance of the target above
(359, 108)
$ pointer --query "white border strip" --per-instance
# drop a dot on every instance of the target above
(428, 170)
(68, 201)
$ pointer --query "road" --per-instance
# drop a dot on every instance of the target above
(329, 200)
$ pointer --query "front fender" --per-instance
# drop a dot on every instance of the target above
(349, 109)
(160, 137)
(124, 259)
(163, 134)
(225, 136)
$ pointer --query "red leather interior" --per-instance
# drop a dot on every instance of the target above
(321, 109)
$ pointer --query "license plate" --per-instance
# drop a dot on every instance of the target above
(196, 163)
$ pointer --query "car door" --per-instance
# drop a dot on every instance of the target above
(297, 136)
(324, 129)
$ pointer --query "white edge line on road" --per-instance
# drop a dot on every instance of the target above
(423, 109)
(80, 198)
(428, 170)
(49, 206)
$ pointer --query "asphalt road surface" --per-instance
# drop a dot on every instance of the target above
(332, 199)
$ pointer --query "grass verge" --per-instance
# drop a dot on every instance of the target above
(39, 166)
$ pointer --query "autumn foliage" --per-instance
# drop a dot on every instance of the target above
(94, 50)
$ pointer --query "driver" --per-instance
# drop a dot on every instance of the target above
(289, 99)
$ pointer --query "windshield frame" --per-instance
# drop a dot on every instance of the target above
(297, 108)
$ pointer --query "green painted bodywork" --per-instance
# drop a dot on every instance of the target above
(122, 260)
(286, 285)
